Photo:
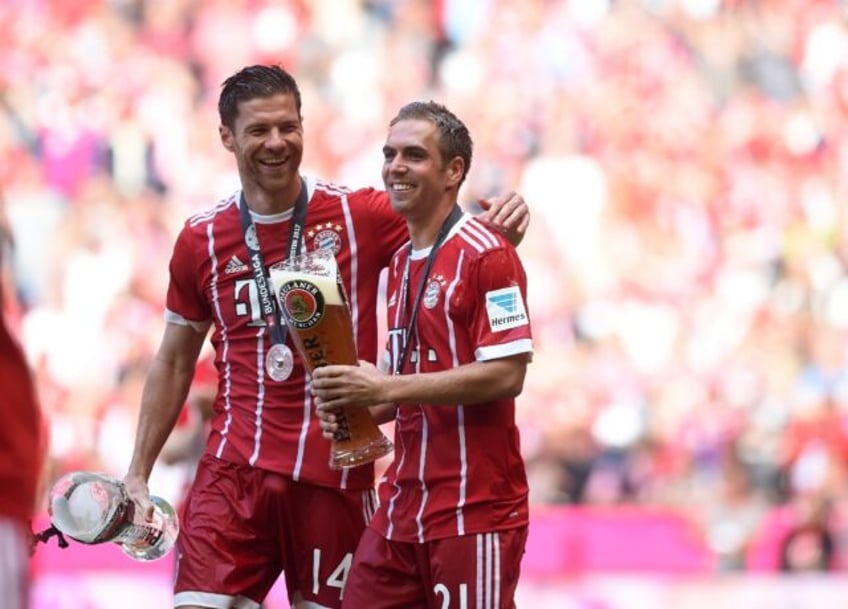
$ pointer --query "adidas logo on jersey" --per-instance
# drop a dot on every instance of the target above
(234, 266)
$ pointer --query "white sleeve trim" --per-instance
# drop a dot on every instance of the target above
(175, 318)
(523, 345)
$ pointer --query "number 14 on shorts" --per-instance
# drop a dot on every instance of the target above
(336, 579)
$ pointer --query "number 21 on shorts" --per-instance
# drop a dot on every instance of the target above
(443, 591)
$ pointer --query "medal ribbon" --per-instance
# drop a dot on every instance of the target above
(447, 225)
(267, 303)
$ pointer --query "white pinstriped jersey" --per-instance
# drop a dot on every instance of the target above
(457, 469)
(258, 421)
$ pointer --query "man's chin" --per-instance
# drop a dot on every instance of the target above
(279, 182)
(399, 206)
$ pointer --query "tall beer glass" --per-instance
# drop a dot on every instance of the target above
(313, 303)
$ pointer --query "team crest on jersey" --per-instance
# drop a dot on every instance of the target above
(431, 294)
(326, 237)
(303, 303)
(505, 308)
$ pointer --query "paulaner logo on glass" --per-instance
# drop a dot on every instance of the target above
(505, 308)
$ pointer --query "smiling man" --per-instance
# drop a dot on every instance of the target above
(452, 522)
(264, 475)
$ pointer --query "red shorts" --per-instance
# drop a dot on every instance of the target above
(243, 526)
(477, 570)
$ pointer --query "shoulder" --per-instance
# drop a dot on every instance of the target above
(491, 261)
(476, 238)
(367, 195)
(324, 189)
(202, 218)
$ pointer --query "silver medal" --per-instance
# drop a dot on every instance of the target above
(279, 362)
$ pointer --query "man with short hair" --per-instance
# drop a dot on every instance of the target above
(250, 513)
(452, 522)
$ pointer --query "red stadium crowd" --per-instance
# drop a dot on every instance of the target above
(686, 166)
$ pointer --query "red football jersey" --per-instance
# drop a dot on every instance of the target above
(21, 439)
(259, 421)
(457, 469)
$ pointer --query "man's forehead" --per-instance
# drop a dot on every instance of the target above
(410, 132)
(271, 107)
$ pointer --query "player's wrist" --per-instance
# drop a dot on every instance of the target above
(393, 389)
(138, 473)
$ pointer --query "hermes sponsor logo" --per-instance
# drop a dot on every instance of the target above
(505, 309)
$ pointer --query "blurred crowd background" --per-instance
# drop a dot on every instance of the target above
(686, 166)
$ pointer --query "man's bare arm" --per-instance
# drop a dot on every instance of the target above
(364, 385)
(164, 394)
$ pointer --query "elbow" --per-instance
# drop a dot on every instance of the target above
(515, 389)
(514, 384)
(508, 377)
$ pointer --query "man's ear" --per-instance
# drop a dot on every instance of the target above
(456, 168)
(226, 137)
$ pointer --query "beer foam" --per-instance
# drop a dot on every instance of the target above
(318, 268)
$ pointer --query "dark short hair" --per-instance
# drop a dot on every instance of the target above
(454, 138)
(252, 82)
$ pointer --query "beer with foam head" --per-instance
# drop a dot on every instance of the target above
(313, 304)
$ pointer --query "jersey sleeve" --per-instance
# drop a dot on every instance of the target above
(499, 320)
(185, 301)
